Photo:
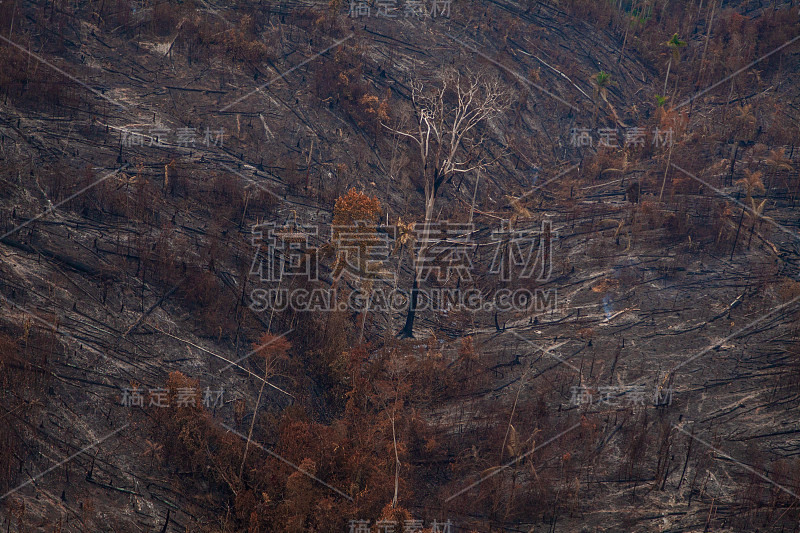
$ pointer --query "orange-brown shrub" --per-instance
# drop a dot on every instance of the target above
(597, 165)
(242, 44)
(355, 206)
(191, 438)
(341, 81)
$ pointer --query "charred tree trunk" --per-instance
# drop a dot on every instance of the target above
(408, 330)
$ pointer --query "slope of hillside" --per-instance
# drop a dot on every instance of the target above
(593, 205)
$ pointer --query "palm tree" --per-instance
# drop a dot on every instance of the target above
(751, 182)
(674, 44)
(777, 161)
(637, 18)
(744, 130)
(601, 81)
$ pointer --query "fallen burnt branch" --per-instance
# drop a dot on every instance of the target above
(67, 260)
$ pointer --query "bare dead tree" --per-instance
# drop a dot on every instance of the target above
(447, 116)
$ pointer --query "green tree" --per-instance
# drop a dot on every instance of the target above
(674, 44)
(601, 81)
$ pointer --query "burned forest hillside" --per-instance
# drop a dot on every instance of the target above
(385, 266)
